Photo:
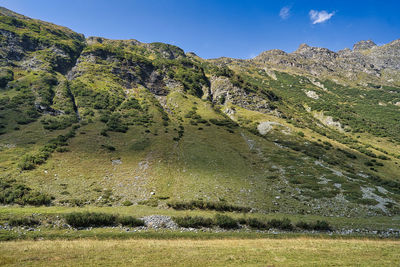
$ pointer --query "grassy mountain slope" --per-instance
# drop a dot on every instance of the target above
(104, 122)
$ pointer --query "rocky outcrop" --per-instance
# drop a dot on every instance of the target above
(363, 45)
(223, 91)
(366, 57)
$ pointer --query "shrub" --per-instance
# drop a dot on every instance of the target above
(194, 222)
(224, 122)
(6, 75)
(11, 192)
(130, 221)
(304, 225)
(317, 226)
(283, 224)
(36, 199)
(115, 123)
(108, 147)
(200, 204)
(27, 221)
(322, 226)
(257, 224)
(90, 219)
(225, 222)
(127, 203)
(152, 202)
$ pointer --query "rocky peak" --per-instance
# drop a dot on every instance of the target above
(313, 52)
(303, 47)
(363, 45)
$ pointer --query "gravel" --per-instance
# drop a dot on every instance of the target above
(159, 221)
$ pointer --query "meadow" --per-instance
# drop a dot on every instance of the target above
(219, 252)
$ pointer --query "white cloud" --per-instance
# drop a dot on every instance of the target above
(285, 12)
(320, 16)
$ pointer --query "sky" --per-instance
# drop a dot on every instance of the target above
(215, 28)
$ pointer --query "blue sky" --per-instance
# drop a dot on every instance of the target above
(214, 28)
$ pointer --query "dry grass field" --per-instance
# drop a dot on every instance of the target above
(221, 252)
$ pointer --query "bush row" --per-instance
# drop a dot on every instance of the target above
(227, 222)
(96, 219)
(204, 205)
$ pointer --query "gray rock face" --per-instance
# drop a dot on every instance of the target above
(366, 57)
(363, 45)
(222, 90)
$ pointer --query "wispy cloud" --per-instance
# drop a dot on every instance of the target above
(320, 16)
(285, 12)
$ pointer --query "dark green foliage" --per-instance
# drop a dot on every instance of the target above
(127, 203)
(317, 226)
(347, 153)
(6, 75)
(86, 96)
(152, 202)
(58, 122)
(115, 123)
(129, 221)
(30, 161)
(25, 221)
(131, 103)
(193, 221)
(283, 224)
(224, 71)
(225, 123)
(256, 223)
(97, 219)
(90, 219)
(167, 50)
(200, 204)
(225, 222)
(12, 192)
(108, 147)
(36, 199)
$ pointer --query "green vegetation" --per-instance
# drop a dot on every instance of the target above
(200, 204)
(96, 219)
(16, 193)
(26, 221)
(193, 221)
(154, 131)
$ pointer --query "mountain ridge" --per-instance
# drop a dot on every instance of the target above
(95, 121)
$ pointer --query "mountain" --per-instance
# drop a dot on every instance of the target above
(93, 121)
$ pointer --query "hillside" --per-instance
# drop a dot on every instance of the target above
(93, 121)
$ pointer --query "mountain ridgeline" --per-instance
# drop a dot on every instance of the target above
(110, 122)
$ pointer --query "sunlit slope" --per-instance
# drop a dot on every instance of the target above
(111, 122)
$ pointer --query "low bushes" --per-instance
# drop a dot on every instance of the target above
(27, 221)
(203, 205)
(256, 223)
(222, 221)
(283, 224)
(227, 222)
(30, 161)
(97, 219)
(317, 226)
(90, 219)
(130, 221)
(15, 193)
(193, 222)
